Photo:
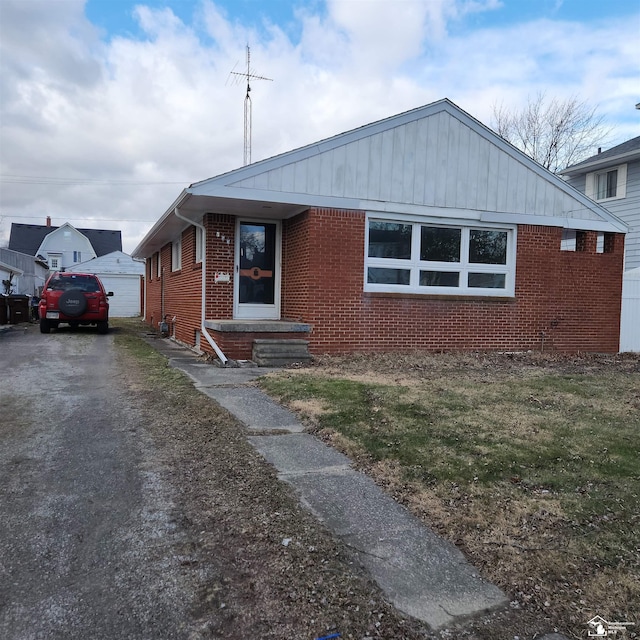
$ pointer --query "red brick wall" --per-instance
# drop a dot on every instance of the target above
(183, 288)
(565, 301)
(296, 261)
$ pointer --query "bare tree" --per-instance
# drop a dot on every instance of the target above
(556, 133)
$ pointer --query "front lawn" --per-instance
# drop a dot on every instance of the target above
(529, 463)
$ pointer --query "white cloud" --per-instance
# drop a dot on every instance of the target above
(163, 108)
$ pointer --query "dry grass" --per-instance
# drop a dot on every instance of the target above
(527, 462)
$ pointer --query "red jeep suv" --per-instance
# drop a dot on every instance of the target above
(74, 298)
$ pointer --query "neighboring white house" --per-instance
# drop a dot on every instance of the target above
(612, 179)
(65, 247)
(121, 274)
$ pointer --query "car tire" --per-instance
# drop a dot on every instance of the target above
(103, 327)
(45, 327)
(72, 303)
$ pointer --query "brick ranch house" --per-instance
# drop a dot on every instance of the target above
(423, 231)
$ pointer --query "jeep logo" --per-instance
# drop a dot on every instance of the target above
(71, 302)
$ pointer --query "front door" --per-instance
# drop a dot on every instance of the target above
(257, 282)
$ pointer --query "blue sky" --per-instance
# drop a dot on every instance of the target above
(116, 17)
(110, 107)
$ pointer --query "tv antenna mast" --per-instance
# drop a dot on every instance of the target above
(248, 75)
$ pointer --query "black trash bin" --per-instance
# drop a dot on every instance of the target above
(18, 309)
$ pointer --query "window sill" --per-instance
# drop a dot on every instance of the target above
(434, 296)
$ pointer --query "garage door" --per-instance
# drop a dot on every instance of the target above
(125, 302)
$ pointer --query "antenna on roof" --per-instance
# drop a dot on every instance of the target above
(248, 75)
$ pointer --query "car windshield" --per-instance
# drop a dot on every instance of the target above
(66, 283)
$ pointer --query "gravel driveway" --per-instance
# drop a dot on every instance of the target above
(88, 543)
(132, 506)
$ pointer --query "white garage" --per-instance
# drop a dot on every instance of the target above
(121, 274)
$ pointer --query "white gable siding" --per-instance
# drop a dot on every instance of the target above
(63, 242)
(436, 161)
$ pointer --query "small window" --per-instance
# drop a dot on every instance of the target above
(606, 185)
(54, 262)
(568, 242)
(610, 184)
(158, 265)
(77, 256)
(176, 255)
(198, 247)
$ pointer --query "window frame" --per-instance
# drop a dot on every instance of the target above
(176, 254)
(55, 261)
(591, 183)
(199, 234)
(464, 267)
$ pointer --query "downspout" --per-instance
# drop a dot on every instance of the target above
(203, 329)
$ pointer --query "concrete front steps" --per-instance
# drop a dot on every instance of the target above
(280, 352)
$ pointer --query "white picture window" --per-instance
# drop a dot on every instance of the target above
(421, 257)
(608, 184)
(176, 254)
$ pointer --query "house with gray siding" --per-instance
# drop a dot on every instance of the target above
(612, 179)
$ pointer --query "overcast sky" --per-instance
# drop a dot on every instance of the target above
(109, 108)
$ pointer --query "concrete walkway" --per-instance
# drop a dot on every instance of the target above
(421, 574)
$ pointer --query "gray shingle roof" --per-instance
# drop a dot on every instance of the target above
(27, 238)
(626, 147)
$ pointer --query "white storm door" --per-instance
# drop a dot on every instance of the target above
(257, 267)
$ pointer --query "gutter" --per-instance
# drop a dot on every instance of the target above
(203, 329)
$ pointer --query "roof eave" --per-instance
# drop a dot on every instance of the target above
(591, 165)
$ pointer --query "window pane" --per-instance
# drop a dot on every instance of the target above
(440, 244)
(607, 185)
(612, 183)
(377, 275)
(439, 279)
(488, 247)
(389, 240)
(487, 280)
